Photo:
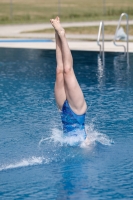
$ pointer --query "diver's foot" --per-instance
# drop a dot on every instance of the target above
(57, 26)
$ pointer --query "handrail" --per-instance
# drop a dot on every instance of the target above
(101, 27)
(126, 50)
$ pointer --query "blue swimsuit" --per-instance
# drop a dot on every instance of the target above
(73, 124)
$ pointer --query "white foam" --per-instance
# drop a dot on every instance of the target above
(58, 137)
(93, 136)
(23, 163)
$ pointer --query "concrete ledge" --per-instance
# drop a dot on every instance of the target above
(74, 45)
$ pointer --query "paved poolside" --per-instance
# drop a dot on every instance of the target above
(16, 36)
(74, 45)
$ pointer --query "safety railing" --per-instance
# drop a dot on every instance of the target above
(101, 29)
(126, 49)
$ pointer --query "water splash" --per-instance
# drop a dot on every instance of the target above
(93, 136)
(57, 137)
(24, 163)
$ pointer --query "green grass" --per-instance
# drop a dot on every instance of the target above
(35, 11)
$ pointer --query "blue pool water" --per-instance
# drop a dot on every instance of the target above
(26, 40)
(36, 162)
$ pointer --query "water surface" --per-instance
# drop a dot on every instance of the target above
(36, 162)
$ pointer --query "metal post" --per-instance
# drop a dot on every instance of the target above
(103, 42)
(127, 29)
(11, 9)
(59, 7)
(104, 7)
(126, 51)
(101, 28)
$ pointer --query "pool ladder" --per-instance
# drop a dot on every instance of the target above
(126, 49)
(101, 28)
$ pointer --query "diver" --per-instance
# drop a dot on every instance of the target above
(68, 94)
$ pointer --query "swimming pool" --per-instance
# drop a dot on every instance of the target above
(25, 40)
(35, 161)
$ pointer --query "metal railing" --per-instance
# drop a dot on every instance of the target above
(126, 49)
(101, 28)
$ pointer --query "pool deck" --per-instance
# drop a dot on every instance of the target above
(77, 45)
(16, 36)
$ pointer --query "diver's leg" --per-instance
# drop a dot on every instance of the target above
(74, 93)
(60, 94)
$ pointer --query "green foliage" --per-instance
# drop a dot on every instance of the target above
(35, 11)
